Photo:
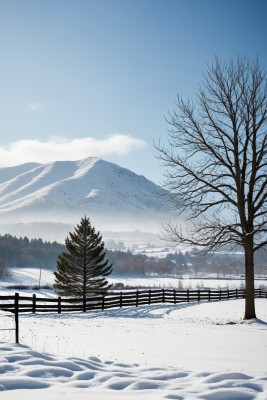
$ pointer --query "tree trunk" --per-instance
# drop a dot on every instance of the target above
(249, 274)
(84, 303)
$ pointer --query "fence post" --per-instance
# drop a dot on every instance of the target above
(121, 300)
(209, 294)
(188, 296)
(198, 295)
(228, 294)
(149, 296)
(103, 303)
(33, 303)
(236, 293)
(220, 295)
(174, 296)
(163, 296)
(260, 292)
(17, 317)
(137, 298)
(59, 305)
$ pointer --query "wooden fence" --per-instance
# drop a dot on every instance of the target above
(33, 304)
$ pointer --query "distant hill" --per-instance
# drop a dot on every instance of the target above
(63, 191)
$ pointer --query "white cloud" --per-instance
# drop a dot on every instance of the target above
(34, 106)
(56, 149)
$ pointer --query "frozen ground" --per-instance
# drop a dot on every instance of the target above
(196, 351)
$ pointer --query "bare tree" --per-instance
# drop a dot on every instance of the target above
(216, 164)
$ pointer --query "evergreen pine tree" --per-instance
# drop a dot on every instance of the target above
(81, 270)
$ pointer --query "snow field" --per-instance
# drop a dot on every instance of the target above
(183, 352)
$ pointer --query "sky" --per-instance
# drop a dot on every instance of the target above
(82, 78)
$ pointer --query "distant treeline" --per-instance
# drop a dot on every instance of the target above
(24, 252)
(141, 264)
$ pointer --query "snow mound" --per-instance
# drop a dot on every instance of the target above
(23, 370)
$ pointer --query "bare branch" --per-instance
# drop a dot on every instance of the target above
(216, 158)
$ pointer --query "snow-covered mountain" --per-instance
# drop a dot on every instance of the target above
(63, 191)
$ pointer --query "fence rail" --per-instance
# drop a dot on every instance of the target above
(34, 304)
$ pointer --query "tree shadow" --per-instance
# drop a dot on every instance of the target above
(253, 321)
(156, 311)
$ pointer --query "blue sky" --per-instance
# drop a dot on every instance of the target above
(96, 78)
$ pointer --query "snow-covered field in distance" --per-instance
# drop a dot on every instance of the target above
(32, 277)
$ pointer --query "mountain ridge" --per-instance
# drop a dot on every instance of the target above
(65, 190)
